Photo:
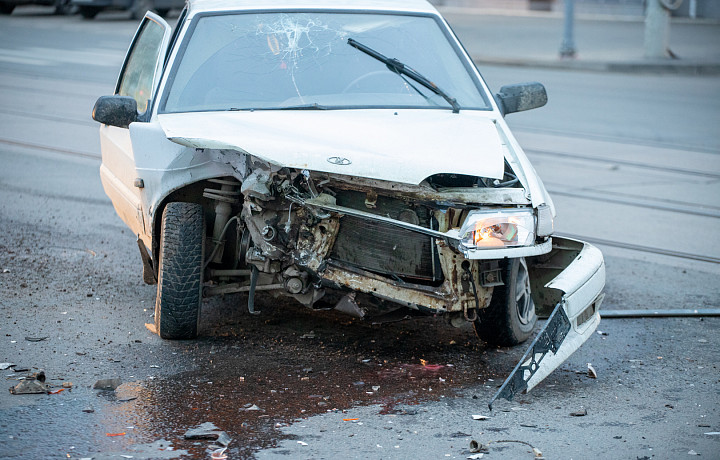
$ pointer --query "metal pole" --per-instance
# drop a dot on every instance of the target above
(657, 30)
(567, 47)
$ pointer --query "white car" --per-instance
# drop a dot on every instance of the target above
(348, 155)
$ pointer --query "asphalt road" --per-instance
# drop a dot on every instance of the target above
(630, 159)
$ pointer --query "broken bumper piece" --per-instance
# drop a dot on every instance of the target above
(577, 277)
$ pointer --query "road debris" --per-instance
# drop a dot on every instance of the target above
(252, 407)
(219, 454)
(477, 447)
(54, 392)
(480, 417)
(692, 452)
(581, 413)
(107, 384)
(151, 327)
(36, 339)
(115, 434)
(89, 410)
(591, 371)
(30, 386)
(476, 456)
(4, 366)
(302, 443)
(309, 335)
(713, 433)
(350, 419)
(208, 430)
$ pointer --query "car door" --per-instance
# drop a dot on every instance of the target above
(139, 79)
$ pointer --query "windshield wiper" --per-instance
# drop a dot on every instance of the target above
(401, 69)
(311, 106)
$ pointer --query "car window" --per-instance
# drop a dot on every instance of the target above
(137, 77)
(285, 60)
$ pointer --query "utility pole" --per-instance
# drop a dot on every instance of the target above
(567, 47)
(657, 27)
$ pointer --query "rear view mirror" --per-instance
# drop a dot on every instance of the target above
(115, 110)
(522, 96)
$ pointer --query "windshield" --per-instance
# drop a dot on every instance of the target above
(258, 61)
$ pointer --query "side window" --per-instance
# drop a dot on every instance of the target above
(137, 77)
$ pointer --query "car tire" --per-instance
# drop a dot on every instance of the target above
(88, 12)
(510, 318)
(180, 271)
(7, 8)
(140, 7)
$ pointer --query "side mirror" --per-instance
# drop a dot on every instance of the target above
(115, 110)
(522, 96)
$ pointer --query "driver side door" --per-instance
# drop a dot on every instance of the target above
(139, 79)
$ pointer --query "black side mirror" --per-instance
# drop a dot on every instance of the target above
(522, 96)
(115, 110)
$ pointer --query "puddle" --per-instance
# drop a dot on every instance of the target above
(271, 372)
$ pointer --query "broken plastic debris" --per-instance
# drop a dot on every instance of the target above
(302, 443)
(4, 366)
(713, 433)
(36, 339)
(29, 387)
(151, 327)
(252, 407)
(581, 413)
(591, 371)
(480, 417)
(375, 388)
(537, 452)
(692, 452)
(208, 430)
(476, 456)
(350, 419)
(115, 434)
(219, 454)
(54, 392)
(309, 335)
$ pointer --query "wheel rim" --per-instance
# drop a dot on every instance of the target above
(523, 302)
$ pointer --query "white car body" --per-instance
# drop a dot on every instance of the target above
(395, 150)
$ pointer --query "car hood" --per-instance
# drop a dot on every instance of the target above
(393, 145)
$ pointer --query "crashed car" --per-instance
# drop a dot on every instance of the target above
(349, 156)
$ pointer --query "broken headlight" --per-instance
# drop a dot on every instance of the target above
(493, 229)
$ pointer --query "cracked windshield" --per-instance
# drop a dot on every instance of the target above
(303, 60)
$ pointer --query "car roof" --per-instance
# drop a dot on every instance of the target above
(413, 6)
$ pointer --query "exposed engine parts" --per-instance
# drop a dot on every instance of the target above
(302, 234)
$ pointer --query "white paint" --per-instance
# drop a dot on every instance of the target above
(404, 146)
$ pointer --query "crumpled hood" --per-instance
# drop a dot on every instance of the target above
(393, 145)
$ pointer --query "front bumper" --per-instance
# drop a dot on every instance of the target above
(576, 277)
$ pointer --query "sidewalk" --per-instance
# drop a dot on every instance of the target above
(602, 42)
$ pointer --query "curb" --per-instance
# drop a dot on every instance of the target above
(675, 67)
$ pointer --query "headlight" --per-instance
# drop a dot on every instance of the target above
(505, 228)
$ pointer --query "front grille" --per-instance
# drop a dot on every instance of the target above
(385, 249)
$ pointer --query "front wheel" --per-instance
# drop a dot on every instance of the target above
(180, 271)
(510, 318)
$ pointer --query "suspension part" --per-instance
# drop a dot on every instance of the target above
(226, 197)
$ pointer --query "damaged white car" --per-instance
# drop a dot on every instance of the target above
(348, 155)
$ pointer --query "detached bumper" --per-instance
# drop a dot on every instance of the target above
(567, 283)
